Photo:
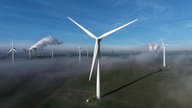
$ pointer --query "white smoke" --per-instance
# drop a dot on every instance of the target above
(153, 47)
(49, 40)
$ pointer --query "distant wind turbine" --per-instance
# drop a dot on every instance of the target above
(96, 54)
(79, 53)
(164, 49)
(13, 51)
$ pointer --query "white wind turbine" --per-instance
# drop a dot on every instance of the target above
(13, 51)
(96, 53)
(164, 49)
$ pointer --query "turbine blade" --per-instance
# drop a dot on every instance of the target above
(161, 47)
(114, 30)
(161, 41)
(94, 58)
(84, 29)
(9, 51)
(14, 50)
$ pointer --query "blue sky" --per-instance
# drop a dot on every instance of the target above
(27, 21)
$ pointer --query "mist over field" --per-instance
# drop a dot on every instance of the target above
(26, 83)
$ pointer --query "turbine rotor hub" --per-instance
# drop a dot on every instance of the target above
(99, 40)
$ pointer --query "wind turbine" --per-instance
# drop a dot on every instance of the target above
(29, 51)
(13, 51)
(164, 49)
(79, 53)
(96, 54)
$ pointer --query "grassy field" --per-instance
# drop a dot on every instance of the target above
(163, 89)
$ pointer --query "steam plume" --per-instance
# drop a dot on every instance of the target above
(49, 40)
(153, 47)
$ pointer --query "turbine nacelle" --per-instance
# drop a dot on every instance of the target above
(164, 46)
(99, 39)
(12, 50)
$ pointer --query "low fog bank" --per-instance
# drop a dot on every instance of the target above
(25, 83)
(173, 86)
(177, 86)
(175, 91)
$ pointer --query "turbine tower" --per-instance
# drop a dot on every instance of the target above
(13, 51)
(96, 54)
(164, 49)
(79, 53)
(52, 54)
(87, 50)
(29, 54)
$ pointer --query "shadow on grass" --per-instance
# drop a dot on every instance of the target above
(132, 82)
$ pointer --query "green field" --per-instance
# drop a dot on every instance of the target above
(167, 88)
